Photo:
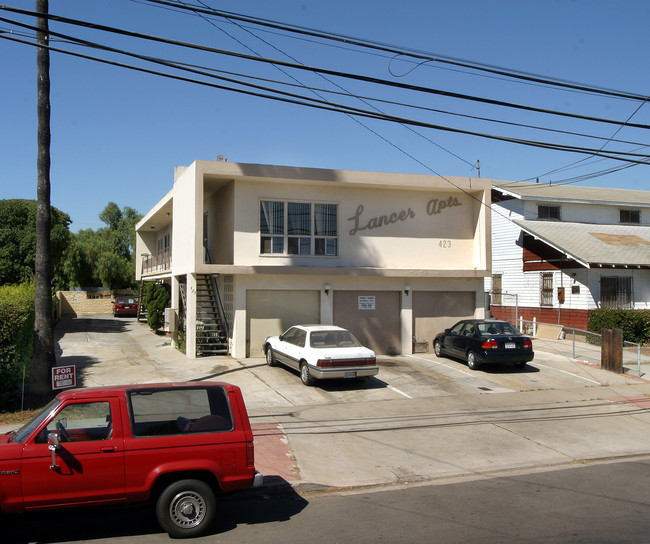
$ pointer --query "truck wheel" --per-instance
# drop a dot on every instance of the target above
(270, 357)
(186, 508)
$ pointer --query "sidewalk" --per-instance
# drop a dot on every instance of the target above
(330, 446)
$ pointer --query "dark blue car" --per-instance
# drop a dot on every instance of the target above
(481, 341)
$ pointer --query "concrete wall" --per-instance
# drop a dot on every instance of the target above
(87, 302)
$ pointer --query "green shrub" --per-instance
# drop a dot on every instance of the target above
(16, 339)
(156, 297)
(634, 323)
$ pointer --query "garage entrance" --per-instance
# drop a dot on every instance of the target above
(269, 313)
(434, 311)
(372, 316)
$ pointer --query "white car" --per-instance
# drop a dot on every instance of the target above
(321, 352)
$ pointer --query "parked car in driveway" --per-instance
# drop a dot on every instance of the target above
(321, 352)
(481, 341)
(125, 306)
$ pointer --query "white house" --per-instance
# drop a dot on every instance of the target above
(250, 250)
(559, 251)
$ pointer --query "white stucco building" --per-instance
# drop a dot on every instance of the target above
(392, 257)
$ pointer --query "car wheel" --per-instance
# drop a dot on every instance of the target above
(437, 348)
(305, 375)
(186, 508)
(270, 357)
(472, 362)
(520, 366)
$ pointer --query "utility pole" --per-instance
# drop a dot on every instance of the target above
(43, 358)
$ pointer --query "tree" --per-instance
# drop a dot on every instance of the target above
(156, 297)
(18, 242)
(105, 256)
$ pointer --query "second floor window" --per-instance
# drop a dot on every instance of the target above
(298, 228)
(549, 212)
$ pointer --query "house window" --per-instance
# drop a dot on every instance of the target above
(616, 292)
(547, 289)
(630, 216)
(549, 212)
(298, 228)
(497, 288)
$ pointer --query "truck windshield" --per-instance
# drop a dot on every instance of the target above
(21, 434)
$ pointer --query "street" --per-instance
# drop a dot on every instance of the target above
(604, 503)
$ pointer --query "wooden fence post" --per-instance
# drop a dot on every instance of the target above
(611, 350)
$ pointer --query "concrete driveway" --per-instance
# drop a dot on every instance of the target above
(109, 350)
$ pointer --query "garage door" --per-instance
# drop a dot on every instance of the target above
(269, 313)
(434, 311)
(372, 316)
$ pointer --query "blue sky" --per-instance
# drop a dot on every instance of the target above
(117, 134)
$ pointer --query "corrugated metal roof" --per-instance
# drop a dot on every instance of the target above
(607, 245)
(575, 193)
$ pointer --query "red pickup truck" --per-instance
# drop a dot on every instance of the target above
(178, 444)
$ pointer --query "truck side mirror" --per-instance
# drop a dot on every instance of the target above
(53, 440)
(53, 445)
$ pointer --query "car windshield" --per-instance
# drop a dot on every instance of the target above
(498, 328)
(333, 339)
(21, 434)
(126, 301)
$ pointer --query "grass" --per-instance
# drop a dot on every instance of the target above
(17, 418)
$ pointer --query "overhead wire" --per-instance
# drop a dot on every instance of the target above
(320, 104)
(398, 50)
(344, 92)
(337, 73)
(617, 155)
(427, 57)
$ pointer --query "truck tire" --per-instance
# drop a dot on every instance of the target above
(186, 508)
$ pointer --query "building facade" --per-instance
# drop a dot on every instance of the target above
(559, 252)
(391, 257)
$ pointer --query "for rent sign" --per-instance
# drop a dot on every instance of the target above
(63, 376)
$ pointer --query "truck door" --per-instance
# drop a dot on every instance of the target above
(88, 465)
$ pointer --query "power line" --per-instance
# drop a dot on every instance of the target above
(340, 108)
(336, 73)
(398, 50)
(301, 100)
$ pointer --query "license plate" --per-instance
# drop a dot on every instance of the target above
(510, 345)
(350, 375)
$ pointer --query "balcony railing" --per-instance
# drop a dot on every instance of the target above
(158, 262)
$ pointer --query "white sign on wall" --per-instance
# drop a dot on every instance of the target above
(366, 302)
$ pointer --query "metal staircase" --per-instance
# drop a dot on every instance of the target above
(142, 311)
(212, 331)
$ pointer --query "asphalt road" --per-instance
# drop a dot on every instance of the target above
(599, 504)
